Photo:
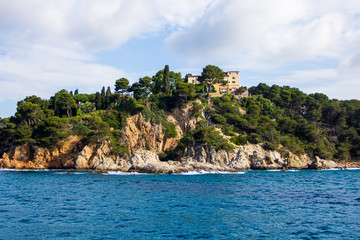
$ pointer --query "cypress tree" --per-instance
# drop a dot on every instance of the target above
(108, 96)
(166, 80)
(98, 102)
(103, 98)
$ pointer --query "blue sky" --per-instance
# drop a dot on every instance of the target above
(46, 46)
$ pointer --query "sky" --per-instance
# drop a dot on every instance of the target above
(46, 46)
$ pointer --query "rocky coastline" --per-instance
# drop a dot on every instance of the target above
(99, 158)
(140, 134)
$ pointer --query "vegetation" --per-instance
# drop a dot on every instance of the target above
(210, 75)
(277, 117)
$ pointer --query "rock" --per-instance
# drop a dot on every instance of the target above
(297, 162)
(321, 164)
(240, 161)
(5, 161)
(148, 162)
(21, 153)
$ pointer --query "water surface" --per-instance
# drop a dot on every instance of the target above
(250, 205)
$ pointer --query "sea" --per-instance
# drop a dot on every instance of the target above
(301, 204)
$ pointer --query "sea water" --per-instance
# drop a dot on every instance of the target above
(248, 205)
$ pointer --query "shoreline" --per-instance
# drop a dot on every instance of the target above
(192, 172)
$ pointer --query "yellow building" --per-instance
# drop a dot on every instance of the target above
(231, 77)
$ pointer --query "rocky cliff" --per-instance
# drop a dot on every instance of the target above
(145, 140)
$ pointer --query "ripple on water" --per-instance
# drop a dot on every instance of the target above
(205, 205)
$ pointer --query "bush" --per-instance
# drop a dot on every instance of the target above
(117, 147)
(205, 135)
(197, 110)
(239, 140)
(169, 130)
(81, 129)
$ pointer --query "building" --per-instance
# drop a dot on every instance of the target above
(231, 77)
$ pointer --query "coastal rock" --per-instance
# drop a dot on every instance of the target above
(141, 134)
(321, 164)
(297, 162)
(240, 161)
(82, 160)
(148, 162)
(5, 161)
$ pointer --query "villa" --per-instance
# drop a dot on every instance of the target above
(232, 79)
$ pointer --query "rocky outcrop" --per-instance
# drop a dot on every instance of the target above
(321, 164)
(250, 156)
(148, 162)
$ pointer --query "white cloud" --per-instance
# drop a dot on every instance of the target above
(262, 35)
(49, 45)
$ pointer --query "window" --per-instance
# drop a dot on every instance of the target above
(244, 95)
(233, 81)
(234, 89)
(223, 90)
(193, 81)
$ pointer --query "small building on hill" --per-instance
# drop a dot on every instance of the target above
(231, 77)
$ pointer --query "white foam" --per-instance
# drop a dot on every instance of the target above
(201, 172)
(123, 173)
(352, 169)
(7, 170)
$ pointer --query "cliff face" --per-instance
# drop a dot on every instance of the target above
(139, 135)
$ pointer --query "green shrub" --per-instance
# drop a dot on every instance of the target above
(169, 130)
(81, 129)
(239, 140)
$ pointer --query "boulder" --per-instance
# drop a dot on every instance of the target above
(321, 164)
(148, 162)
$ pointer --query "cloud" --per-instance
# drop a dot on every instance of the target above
(278, 36)
(95, 25)
(49, 45)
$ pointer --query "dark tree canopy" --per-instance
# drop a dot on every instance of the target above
(122, 85)
(210, 75)
(65, 104)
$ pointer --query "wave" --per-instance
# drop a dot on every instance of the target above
(75, 173)
(23, 170)
(352, 168)
(123, 173)
(201, 172)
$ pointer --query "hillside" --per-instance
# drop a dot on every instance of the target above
(172, 119)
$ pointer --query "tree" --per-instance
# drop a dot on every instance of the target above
(142, 88)
(29, 113)
(166, 79)
(122, 85)
(103, 98)
(64, 104)
(210, 75)
(185, 89)
(98, 101)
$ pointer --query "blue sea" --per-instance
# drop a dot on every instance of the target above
(246, 205)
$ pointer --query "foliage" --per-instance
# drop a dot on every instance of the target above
(170, 130)
(64, 104)
(239, 140)
(210, 75)
(122, 85)
(279, 117)
(205, 135)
